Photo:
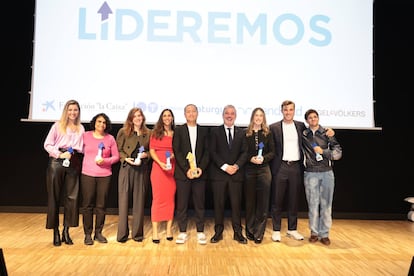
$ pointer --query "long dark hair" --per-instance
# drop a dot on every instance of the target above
(158, 130)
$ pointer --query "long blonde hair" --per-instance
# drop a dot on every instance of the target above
(64, 118)
(264, 126)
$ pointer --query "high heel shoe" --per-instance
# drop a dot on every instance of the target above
(156, 240)
(56, 237)
(170, 238)
(65, 236)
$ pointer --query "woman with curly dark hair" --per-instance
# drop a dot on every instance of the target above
(100, 153)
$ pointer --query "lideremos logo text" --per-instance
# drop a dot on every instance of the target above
(107, 22)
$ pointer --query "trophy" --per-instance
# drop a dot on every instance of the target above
(192, 163)
(318, 155)
(260, 151)
(137, 160)
(100, 148)
(66, 162)
(168, 162)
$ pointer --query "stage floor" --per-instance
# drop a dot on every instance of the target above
(358, 247)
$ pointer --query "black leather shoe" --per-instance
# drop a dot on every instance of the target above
(216, 238)
(258, 240)
(156, 240)
(250, 236)
(88, 240)
(139, 239)
(65, 236)
(170, 238)
(239, 237)
(100, 238)
(56, 238)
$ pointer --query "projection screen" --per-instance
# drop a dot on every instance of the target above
(155, 54)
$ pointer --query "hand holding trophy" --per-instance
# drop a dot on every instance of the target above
(66, 162)
(137, 160)
(168, 161)
(194, 172)
(319, 157)
(260, 152)
(100, 148)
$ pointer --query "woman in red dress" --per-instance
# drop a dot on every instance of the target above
(162, 174)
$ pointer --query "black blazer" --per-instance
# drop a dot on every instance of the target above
(182, 146)
(220, 153)
(277, 132)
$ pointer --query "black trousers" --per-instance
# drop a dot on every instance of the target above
(62, 184)
(94, 193)
(286, 186)
(232, 189)
(196, 189)
(257, 195)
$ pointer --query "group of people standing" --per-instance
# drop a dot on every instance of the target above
(265, 164)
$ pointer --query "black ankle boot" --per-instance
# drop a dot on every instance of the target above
(100, 238)
(56, 237)
(65, 236)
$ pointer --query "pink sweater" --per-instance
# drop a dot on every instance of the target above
(110, 155)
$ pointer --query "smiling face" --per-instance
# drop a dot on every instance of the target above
(100, 124)
(258, 118)
(73, 112)
(191, 114)
(312, 120)
(138, 119)
(288, 112)
(229, 116)
(167, 119)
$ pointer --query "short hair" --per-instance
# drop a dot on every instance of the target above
(309, 112)
(285, 103)
(230, 106)
(190, 105)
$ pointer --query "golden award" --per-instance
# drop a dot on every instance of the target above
(191, 162)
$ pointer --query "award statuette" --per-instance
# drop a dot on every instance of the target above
(318, 155)
(260, 151)
(168, 162)
(66, 162)
(100, 148)
(137, 160)
(191, 162)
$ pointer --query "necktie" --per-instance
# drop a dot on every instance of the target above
(230, 137)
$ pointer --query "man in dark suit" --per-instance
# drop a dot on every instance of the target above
(228, 153)
(192, 158)
(287, 170)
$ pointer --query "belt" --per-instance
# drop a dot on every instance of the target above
(65, 150)
(289, 163)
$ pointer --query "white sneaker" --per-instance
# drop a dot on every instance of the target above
(201, 238)
(276, 236)
(294, 234)
(182, 238)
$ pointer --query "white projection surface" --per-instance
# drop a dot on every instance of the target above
(155, 54)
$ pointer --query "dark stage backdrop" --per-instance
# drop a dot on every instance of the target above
(372, 179)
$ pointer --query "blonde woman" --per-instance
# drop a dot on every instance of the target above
(64, 144)
(260, 150)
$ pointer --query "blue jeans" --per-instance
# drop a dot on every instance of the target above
(319, 189)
